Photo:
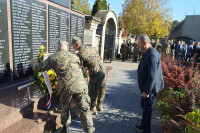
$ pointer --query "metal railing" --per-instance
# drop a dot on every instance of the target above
(28, 89)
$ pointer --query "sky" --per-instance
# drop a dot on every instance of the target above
(180, 8)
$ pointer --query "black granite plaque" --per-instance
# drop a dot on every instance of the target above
(4, 47)
(58, 27)
(76, 27)
(38, 12)
(29, 32)
(64, 3)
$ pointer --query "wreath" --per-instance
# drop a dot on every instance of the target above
(40, 81)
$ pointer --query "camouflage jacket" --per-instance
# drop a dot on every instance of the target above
(135, 48)
(90, 58)
(67, 68)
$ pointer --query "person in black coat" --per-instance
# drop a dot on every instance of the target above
(150, 80)
(173, 45)
(123, 51)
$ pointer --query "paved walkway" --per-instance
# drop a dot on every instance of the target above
(122, 103)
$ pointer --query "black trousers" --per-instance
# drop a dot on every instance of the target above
(147, 106)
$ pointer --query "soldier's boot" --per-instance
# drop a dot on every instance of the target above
(94, 110)
(65, 129)
(99, 107)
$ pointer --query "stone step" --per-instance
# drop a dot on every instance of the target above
(35, 120)
(39, 122)
(10, 115)
(15, 105)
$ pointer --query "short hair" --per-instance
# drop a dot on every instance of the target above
(193, 42)
(76, 40)
(144, 37)
(61, 43)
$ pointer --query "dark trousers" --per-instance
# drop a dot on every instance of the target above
(147, 105)
(135, 57)
(179, 55)
(184, 55)
(189, 56)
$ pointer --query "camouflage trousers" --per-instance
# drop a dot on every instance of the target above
(135, 56)
(83, 103)
(97, 88)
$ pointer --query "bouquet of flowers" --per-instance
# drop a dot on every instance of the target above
(39, 78)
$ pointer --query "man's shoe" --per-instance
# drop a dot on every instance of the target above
(139, 128)
(99, 107)
(65, 129)
(94, 111)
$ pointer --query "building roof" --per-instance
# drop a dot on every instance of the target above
(188, 28)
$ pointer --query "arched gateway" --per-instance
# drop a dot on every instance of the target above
(107, 29)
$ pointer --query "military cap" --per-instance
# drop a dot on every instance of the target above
(76, 40)
(63, 43)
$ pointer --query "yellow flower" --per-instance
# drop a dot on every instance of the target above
(56, 82)
(53, 87)
(42, 80)
(52, 92)
(50, 72)
(41, 47)
(50, 79)
(52, 76)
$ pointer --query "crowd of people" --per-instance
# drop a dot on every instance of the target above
(129, 50)
(180, 50)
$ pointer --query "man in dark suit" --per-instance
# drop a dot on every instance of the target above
(150, 80)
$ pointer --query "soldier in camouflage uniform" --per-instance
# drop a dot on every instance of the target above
(70, 83)
(135, 52)
(90, 59)
(158, 46)
(128, 51)
(167, 47)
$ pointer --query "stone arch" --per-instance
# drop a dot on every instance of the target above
(106, 28)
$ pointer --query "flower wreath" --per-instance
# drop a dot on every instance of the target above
(40, 81)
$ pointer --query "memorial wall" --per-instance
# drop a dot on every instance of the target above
(4, 48)
(29, 24)
(58, 27)
(77, 27)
